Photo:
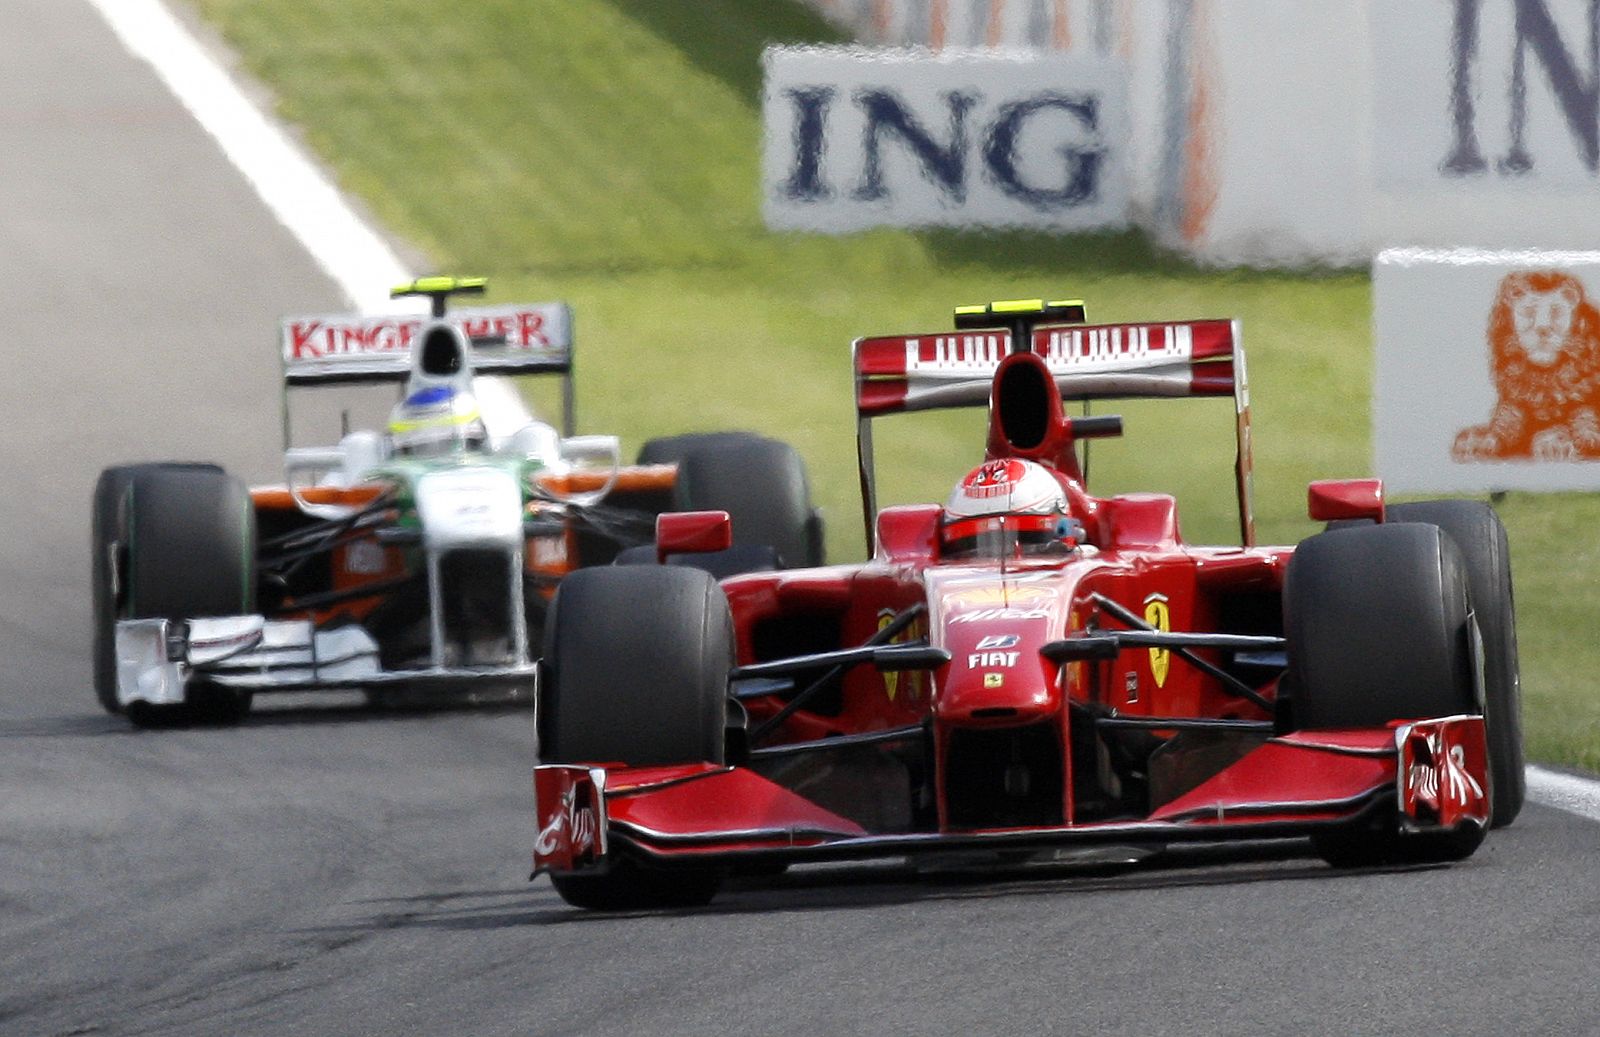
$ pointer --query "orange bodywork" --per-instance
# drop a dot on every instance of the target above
(629, 480)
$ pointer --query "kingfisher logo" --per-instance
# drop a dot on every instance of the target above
(858, 138)
(504, 337)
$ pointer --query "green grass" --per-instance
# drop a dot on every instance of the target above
(606, 152)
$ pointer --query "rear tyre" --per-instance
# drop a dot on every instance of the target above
(761, 483)
(189, 552)
(635, 671)
(673, 449)
(1481, 537)
(1376, 619)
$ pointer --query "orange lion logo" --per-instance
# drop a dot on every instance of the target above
(1544, 340)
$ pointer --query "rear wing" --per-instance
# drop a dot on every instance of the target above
(1107, 361)
(320, 350)
(904, 373)
(335, 349)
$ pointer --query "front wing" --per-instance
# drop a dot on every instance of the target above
(1431, 774)
(157, 660)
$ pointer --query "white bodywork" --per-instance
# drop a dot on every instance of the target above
(465, 507)
(470, 507)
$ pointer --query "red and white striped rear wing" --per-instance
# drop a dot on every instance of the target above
(1106, 361)
(903, 373)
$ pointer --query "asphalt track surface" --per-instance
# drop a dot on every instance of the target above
(332, 870)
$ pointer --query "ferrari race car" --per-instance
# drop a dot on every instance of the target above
(421, 557)
(1029, 670)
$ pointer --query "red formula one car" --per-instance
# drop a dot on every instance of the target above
(1031, 669)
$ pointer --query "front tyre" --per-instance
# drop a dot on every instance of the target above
(635, 672)
(1376, 619)
(188, 552)
(1481, 537)
(635, 668)
(1382, 844)
(631, 887)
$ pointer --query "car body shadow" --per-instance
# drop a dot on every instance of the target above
(306, 711)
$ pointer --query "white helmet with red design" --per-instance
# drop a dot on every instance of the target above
(1009, 507)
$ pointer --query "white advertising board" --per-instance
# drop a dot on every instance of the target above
(1488, 370)
(858, 138)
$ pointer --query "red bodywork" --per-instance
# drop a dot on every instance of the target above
(1012, 744)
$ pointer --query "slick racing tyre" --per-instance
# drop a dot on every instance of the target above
(1481, 537)
(635, 668)
(1376, 619)
(631, 887)
(187, 551)
(761, 483)
(108, 560)
(635, 671)
(673, 449)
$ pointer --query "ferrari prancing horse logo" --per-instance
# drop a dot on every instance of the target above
(892, 681)
(1158, 616)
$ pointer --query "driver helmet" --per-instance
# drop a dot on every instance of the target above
(437, 420)
(1009, 508)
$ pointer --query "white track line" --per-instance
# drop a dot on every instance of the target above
(1567, 792)
(294, 189)
(359, 260)
(355, 256)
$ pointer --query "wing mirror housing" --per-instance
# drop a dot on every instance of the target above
(1330, 500)
(607, 449)
(692, 532)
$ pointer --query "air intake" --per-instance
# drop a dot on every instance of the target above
(442, 349)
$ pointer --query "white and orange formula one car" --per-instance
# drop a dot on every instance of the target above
(422, 556)
(1030, 671)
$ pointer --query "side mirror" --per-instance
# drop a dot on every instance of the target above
(692, 532)
(1330, 500)
(603, 449)
(306, 467)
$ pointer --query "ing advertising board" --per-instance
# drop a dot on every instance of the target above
(1488, 370)
(857, 138)
(1497, 94)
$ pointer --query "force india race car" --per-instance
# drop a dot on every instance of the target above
(424, 557)
(1032, 670)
